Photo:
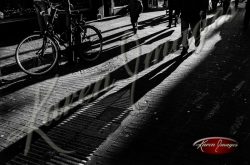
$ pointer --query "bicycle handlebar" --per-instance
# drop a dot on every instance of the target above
(56, 5)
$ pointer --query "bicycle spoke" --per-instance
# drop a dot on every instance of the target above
(91, 43)
(36, 55)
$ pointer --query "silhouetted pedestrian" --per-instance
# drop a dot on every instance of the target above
(135, 8)
(173, 11)
(214, 4)
(247, 15)
(226, 4)
(203, 13)
(192, 12)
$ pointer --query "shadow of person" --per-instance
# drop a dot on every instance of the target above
(155, 77)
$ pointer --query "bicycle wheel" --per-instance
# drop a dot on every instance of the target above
(90, 44)
(37, 54)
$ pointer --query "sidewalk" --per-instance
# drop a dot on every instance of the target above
(106, 26)
(177, 99)
(204, 94)
(27, 104)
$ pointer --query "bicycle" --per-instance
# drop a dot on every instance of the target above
(40, 52)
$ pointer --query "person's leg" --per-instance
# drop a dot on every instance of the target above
(176, 16)
(195, 28)
(136, 23)
(133, 20)
(170, 17)
(137, 18)
(214, 6)
(184, 34)
(226, 4)
(203, 20)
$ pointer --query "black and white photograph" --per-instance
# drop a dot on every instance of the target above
(124, 82)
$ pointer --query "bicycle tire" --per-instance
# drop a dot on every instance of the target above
(90, 44)
(37, 54)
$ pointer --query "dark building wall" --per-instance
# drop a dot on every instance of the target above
(15, 26)
(120, 2)
(92, 8)
(8, 4)
(24, 8)
(19, 20)
(16, 8)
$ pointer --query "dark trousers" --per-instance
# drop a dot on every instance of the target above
(195, 25)
(134, 21)
(214, 4)
(226, 4)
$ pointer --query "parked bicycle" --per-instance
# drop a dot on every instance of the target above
(41, 51)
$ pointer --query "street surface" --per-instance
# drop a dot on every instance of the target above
(140, 103)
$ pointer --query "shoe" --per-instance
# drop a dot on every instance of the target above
(184, 51)
(169, 25)
(176, 21)
(197, 43)
(135, 30)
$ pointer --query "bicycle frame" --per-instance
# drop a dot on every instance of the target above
(70, 31)
(41, 58)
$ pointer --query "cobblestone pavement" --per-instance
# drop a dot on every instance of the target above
(156, 102)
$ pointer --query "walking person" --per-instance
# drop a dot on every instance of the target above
(214, 4)
(135, 8)
(247, 15)
(192, 12)
(173, 11)
(226, 4)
